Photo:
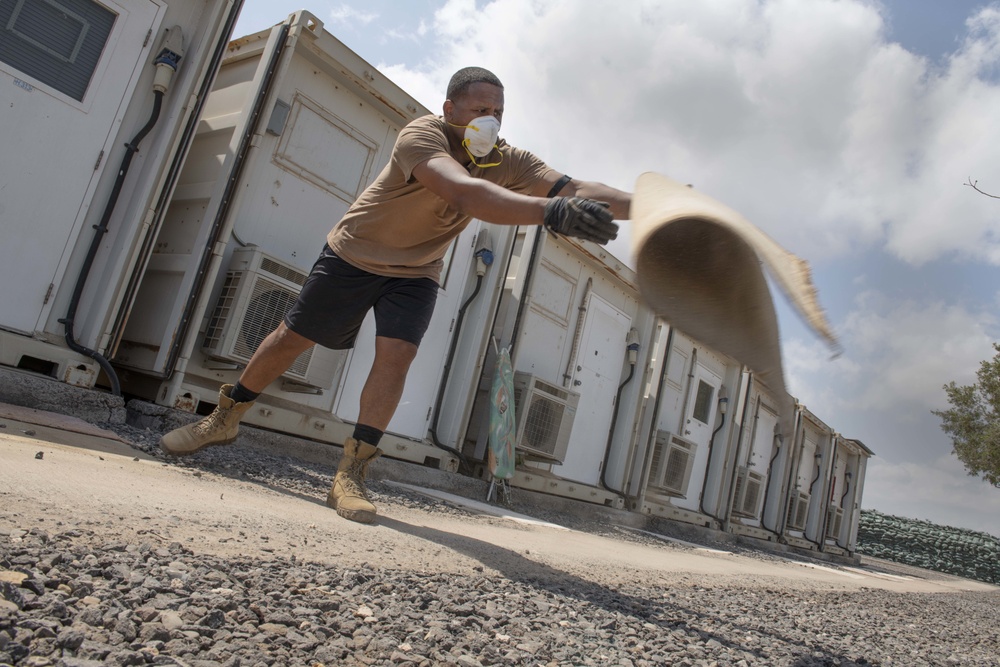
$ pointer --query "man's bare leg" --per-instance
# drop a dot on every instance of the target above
(379, 399)
(274, 356)
(384, 386)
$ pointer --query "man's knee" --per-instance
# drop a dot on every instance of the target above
(285, 339)
(395, 351)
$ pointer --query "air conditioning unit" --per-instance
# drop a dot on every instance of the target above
(747, 493)
(257, 292)
(834, 520)
(670, 465)
(798, 510)
(544, 414)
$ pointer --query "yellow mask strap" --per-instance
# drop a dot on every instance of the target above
(465, 145)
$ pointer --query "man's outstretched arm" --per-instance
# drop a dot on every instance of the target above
(618, 200)
(476, 197)
(573, 216)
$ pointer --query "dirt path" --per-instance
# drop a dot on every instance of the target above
(97, 483)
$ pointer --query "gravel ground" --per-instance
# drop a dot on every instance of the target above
(79, 595)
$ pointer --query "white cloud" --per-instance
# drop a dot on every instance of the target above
(799, 114)
(940, 492)
(897, 356)
(401, 35)
(348, 14)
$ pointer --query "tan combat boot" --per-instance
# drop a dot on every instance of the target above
(218, 428)
(348, 494)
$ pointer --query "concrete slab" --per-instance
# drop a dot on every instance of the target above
(476, 506)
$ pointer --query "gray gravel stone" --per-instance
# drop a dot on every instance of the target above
(87, 599)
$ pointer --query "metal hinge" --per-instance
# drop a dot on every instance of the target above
(48, 293)
(149, 33)
(100, 158)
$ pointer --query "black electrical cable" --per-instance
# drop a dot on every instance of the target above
(229, 194)
(812, 484)
(847, 489)
(445, 374)
(767, 489)
(708, 468)
(131, 148)
(611, 431)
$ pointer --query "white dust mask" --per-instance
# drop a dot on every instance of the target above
(481, 138)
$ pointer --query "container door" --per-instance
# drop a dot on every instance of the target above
(702, 403)
(597, 374)
(67, 72)
(763, 441)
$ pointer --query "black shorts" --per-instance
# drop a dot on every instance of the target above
(337, 296)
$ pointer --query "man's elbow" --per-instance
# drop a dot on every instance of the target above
(466, 200)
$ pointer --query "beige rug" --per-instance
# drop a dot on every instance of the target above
(62, 422)
(700, 267)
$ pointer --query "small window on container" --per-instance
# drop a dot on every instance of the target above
(703, 402)
(57, 42)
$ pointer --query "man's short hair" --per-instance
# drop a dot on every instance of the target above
(467, 76)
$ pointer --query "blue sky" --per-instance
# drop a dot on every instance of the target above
(846, 129)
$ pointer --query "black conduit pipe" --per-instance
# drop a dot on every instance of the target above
(767, 489)
(228, 196)
(708, 468)
(173, 171)
(847, 489)
(648, 453)
(611, 431)
(445, 375)
(822, 523)
(131, 148)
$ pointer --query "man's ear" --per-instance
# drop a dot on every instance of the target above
(448, 109)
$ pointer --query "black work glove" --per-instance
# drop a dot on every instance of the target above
(583, 218)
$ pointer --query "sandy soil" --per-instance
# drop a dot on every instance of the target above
(56, 479)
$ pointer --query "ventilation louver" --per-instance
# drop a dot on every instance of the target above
(747, 493)
(257, 292)
(834, 520)
(671, 463)
(798, 510)
(545, 414)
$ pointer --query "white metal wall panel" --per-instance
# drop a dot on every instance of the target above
(597, 373)
(41, 123)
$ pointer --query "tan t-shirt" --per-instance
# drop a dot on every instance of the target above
(399, 228)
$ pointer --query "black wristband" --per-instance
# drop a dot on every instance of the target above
(559, 185)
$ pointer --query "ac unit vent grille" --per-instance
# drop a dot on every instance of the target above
(671, 463)
(553, 390)
(798, 509)
(269, 302)
(281, 271)
(223, 309)
(542, 421)
(256, 293)
(545, 416)
(676, 463)
(834, 521)
(747, 493)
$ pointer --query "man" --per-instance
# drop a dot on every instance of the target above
(386, 254)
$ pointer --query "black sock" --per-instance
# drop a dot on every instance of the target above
(241, 394)
(367, 434)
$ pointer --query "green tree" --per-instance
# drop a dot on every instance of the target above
(973, 422)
